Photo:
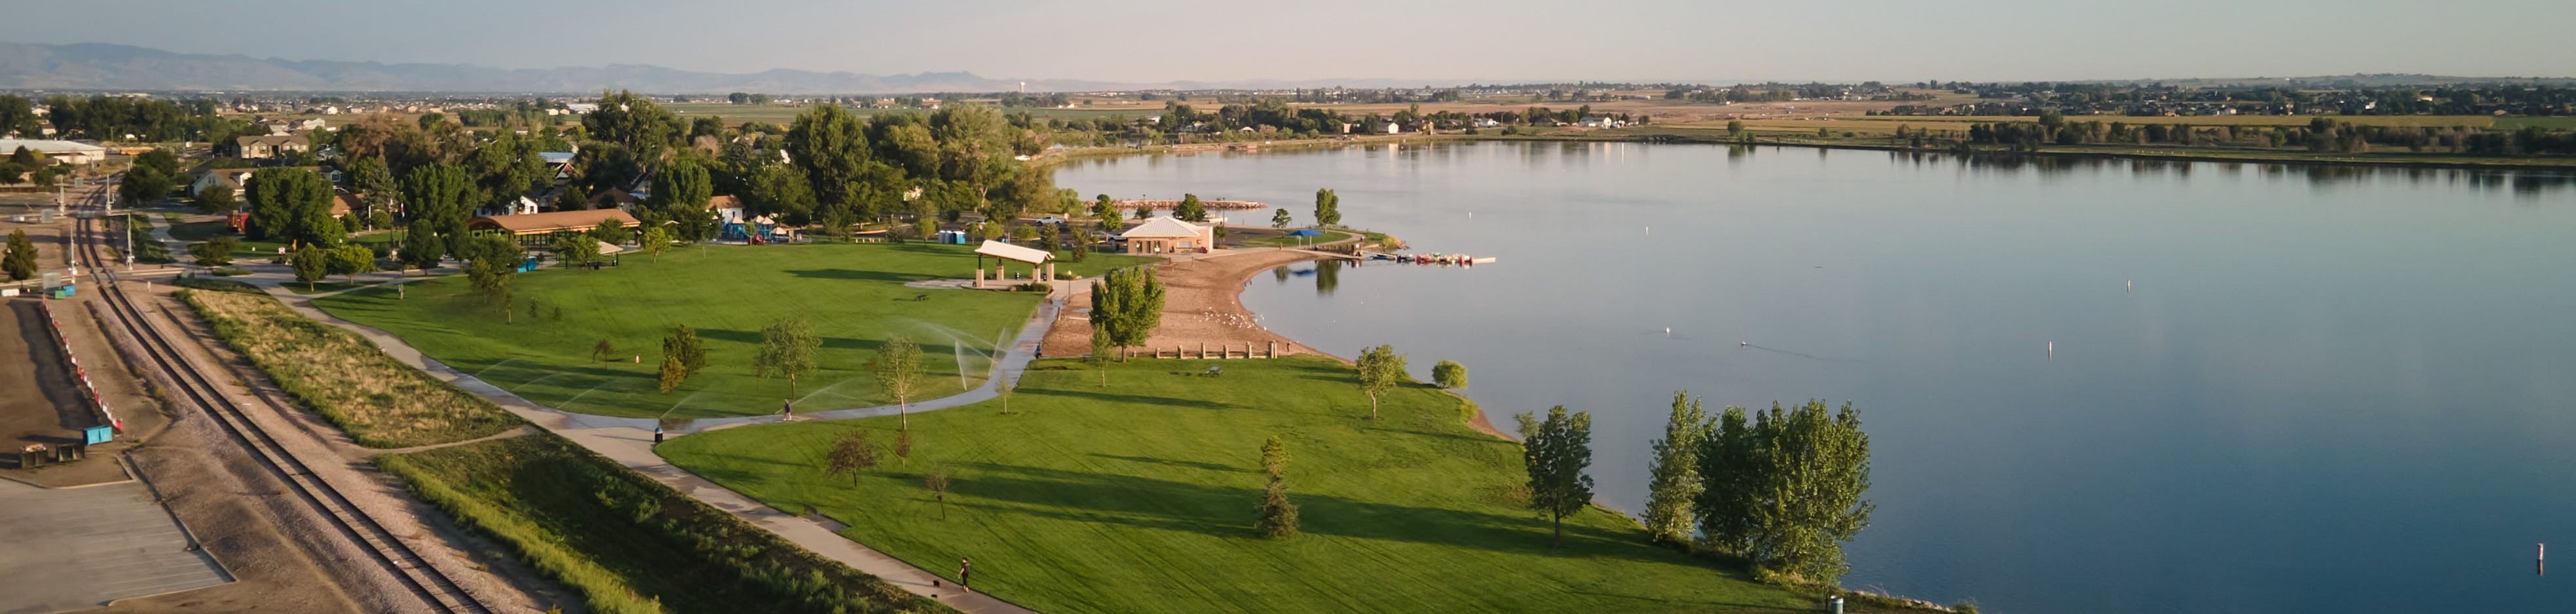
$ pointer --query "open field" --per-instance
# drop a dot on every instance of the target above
(736, 114)
(1139, 498)
(627, 542)
(379, 402)
(853, 295)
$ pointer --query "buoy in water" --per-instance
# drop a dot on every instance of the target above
(2130, 286)
(2052, 350)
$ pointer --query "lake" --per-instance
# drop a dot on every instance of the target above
(2271, 388)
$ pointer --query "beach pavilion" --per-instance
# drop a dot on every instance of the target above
(1168, 235)
(1039, 268)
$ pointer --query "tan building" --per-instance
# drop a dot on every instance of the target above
(270, 146)
(1168, 235)
(537, 228)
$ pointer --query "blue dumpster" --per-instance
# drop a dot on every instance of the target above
(98, 434)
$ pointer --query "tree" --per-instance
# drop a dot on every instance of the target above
(214, 252)
(489, 264)
(670, 374)
(1328, 208)
(1104, 208)
(610, 231)
(851, 453)
(505, 168)
(681, 193)
(787, 347)
(352, 259)
(292, 205)
(1449, 374)
(903, 445)
(782, 191)
(634, 123)
(374, 184)
(1280, 219)
(143, 185)
(831, 147)
(655, 239)
(1278, 516)
(602, 350)
(683, 343)
(421, 247)
(1557, 450)
(217, 198)
(898, 371)
(19, 260)
(937, 483)
(439, 195)
(310, 263)
(1734, 127)
(1785, 489)
(1100, 350)
(1676, 484)
(1126, 306)
(159, 160)
(1381, 369)
(574, 249)
(1191, 210)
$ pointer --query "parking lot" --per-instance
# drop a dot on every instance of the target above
(80, 548)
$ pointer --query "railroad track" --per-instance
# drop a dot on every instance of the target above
(425, 581)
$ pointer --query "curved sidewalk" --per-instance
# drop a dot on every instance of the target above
(629, 442)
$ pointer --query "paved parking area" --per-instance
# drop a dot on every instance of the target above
(80, 548)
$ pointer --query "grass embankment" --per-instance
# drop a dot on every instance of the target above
(852, 294)
(147, 250)
(627, 542)
(379, 402)
(1288, 241)
(1140, 498)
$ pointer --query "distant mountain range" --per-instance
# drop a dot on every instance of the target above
(103, 66)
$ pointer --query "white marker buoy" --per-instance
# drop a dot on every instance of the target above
(2052, 350)
(2540, 562)
(2130, 286)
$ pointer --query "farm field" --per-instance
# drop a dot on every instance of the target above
(1139, 497)
(853, 296)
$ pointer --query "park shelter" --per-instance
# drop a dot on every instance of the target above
(541, 228)
(1167, 235)
(1005, 253)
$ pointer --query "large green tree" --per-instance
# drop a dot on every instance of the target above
(1557, 450)
(782, 191)
(421, 246)
(441, 196)
(1785, 489)
(1328, 208)
(490, 263)
(217, 198)
(374, 184)
(291, 205)
(1676, 485)
(1191, 209)
(681, 193)
(310, 264)
(142, 185)
(19, 260)
(505, 168)
(635, 123)
(1126, 307)
(831, 146)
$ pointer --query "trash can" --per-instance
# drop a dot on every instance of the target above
(1834, 605)
(31, 457)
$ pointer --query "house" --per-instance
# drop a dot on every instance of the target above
(270, 146)
(557, 162)
(728, 209)
(233, 178)
(613, 198)
(1167, 235)
(70, 152)
(343, 203)
(1600, 122)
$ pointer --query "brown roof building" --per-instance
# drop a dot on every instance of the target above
(551, 222)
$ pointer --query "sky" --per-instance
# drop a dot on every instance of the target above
(1154, 41)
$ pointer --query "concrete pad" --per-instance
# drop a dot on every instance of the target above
(81, 548)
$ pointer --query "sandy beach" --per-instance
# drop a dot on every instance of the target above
(1202, 306)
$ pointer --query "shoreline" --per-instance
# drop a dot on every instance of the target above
(1206, 298)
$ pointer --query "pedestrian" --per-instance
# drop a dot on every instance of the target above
(788, 409)
(964, 568)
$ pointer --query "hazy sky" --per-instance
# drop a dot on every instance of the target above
(1492, 40)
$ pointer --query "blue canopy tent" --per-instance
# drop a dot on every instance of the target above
(1302, 233)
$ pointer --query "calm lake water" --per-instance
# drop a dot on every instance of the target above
(2273, 388)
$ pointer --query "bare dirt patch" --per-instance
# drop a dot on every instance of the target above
(1202, 307)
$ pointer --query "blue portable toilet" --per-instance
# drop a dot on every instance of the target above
(530, 266)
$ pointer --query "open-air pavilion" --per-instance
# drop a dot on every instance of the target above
(1002, 253)
(1167, 235)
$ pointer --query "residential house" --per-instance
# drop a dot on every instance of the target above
(270, 146)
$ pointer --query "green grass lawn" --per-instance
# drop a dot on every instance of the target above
(626, 542)
(1288, 241)
(250, 251)
(147, 249)
(853, 295)
(1140, 497)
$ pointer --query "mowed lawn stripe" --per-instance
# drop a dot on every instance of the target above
(853, 295)
(1140, 498)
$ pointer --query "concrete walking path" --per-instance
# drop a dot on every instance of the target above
(629, 442)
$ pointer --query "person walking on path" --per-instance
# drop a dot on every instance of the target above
(787, 409)
(963, 568)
